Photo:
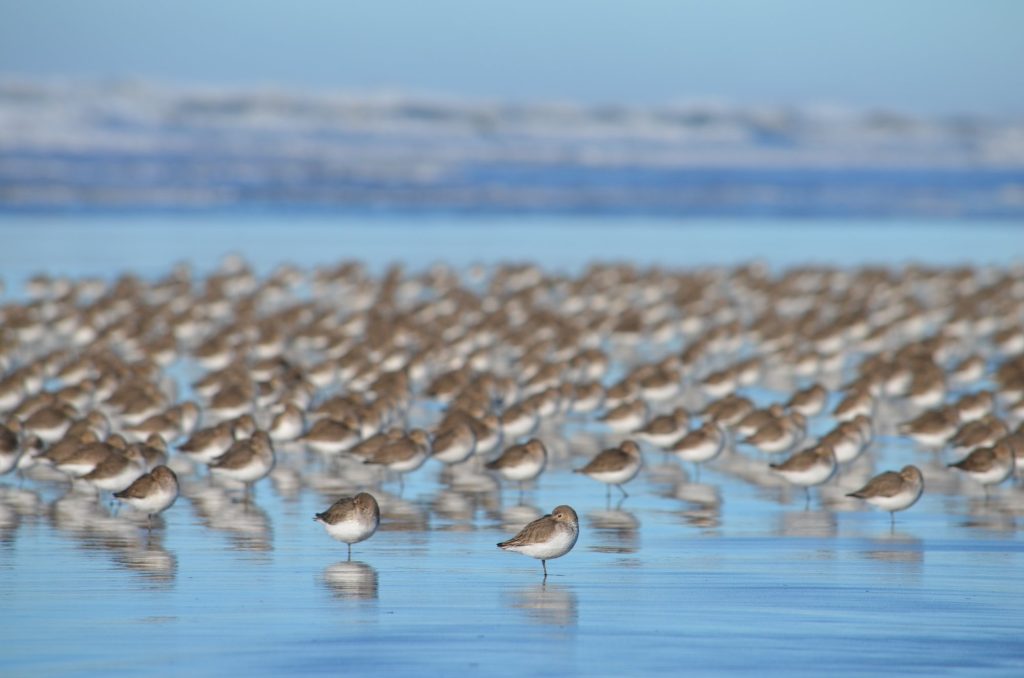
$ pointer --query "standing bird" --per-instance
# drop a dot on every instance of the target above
(615, 466)
(246, 461)
(521, 462)
(812, 466)
(893, 491)
(351, 519)
(701, 444)
(548, 537)
(988, 465)
(152, 492)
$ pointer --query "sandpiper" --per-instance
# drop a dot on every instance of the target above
(521, 463)
(988, 465)
(615, 466)
(246, 461)
(933, 428)
(403, 455)
(809, 467)
(664, 430)
(628, 416)
(287, 425)
(893, 491)
(330, 436)
(779, 435)
(351, 519)
(548, 537)
(152, 493)
(116, 472)
(979, 433)
(701, 444)
(453, 444)
(809, 402)
(207, 444)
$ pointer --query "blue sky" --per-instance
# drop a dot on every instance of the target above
(917, 55)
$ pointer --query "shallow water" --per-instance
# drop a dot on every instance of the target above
(728, 572)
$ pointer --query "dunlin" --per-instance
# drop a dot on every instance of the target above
(351, 519)
(809, 402)
(932, 429)
(809, 467)
(548, 537)
(403, 455)
(664, 430)
(151, 493)
(701, 444)
(330, 436)
(628, 416)
(892, 491)
(521, 463)
(615, 466)
(988, 465)
(207, 444)
(246, 461)
(453, 444)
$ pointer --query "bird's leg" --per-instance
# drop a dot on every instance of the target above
(350, 552)
(623, 491)
(807, 495)
(696, 472)
(544, 564)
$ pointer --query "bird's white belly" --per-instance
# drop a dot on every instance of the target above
(556, 547)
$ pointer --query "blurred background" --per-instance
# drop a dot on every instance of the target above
(793, 108)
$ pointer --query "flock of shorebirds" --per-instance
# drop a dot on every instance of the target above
(125, 386)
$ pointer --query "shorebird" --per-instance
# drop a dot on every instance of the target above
(701, 444)
(152, 493)
(893, 491)
(351, 519)
(246, 461)
(809, 467)
(521, 463)
(548, 537)
(615, 466)
(988, 465)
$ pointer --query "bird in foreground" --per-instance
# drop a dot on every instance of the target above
(351, 519)
(615, 466)
(152, 493)
(893, 491)
(548, 537)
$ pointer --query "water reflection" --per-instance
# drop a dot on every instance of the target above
(351, 580)
(702, 504)
(897, 547)
(515, 518)
(150, 559)
(807, 524)
(401, 515)
(551, 604)
(614, 531)
(245, 521)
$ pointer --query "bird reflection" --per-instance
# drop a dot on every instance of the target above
(702, 504)
(150, 559)
(897, 547)
(546, 604)
(514, 518)
(401, 515)
(351, 580)
(807, 524)
(247, 523)
(614, 531)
